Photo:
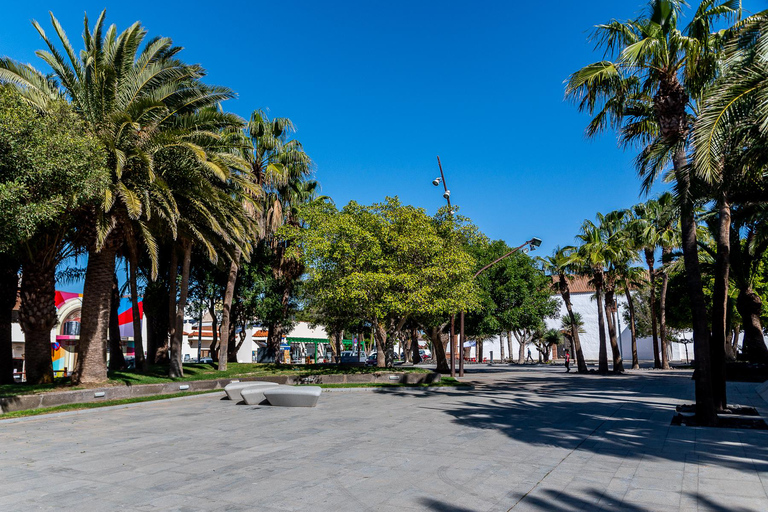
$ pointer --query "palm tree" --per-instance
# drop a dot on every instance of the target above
(658, 73)
(560, 264)
(569, 325)
(592, 259)
(280, 166)
(134, 101)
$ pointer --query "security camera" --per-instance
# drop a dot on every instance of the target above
(436, 181)
(447, 194)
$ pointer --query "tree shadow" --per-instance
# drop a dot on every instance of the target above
(628, 416)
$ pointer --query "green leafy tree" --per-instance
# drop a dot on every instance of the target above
(386, 263)
(51, 173)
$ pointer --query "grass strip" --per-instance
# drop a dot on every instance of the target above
(94, 405)
(158, 374)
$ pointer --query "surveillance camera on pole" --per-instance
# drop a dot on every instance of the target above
(447, 194)
(436, 181)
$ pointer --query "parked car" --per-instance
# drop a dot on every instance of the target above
(352, 356)
(372, 359)
(206, 360)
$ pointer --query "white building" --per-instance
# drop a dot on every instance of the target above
(584, 303)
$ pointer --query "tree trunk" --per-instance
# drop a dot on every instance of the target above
(650, 261)
(91, 366)
(339, 337)
(705, 405)
(665, 255)
(38, 315)
(438, 350)
(632, 328)
(172, 274)
(750, 307)
(9, 291)
(415, 355)
(719, 306)
(565, 291)
(602, 366)
(479, 351)
(213, 348)
(521, 347)
(381, 340)
(176, 368)
(274, 337)
(228, 296)
(138, 341)
(501, 346)
(116, 358)
(610, 308)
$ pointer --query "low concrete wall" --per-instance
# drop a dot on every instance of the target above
(24, 402)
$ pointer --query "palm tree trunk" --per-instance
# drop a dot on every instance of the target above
(610, 307)
(9, 290)
(228, 295)
(91, 365)
(176, 369)
(663, 312)
(116, 358)
(720, 305)
(138, 342)
(38, 315)
(705, 405)
(565, 291)
(172, 274)
(632, 327)
(650, 261)
(602, 366)
(750, 308)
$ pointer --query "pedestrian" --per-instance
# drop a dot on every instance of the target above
(529, 355)
(567, 362)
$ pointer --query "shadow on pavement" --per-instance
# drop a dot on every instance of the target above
(627, 416)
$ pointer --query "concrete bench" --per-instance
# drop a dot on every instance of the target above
(289, 396)
(233, 389)
(254, 395)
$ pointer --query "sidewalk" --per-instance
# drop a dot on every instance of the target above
(525, 439)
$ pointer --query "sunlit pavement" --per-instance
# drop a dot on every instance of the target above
(528, 438)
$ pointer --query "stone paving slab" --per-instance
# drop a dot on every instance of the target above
(524, 439)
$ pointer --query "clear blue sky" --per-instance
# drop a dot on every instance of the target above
(378, 89)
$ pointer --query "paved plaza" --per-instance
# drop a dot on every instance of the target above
(525, 439)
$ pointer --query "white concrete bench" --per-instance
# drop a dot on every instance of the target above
(254, 395)
(290, 396)
(234, 389)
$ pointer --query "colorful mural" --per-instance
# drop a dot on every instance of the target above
(68, 330)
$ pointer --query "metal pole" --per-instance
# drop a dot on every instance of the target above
(461, 342)
(453, 350)
(618, 323)
(200, 335)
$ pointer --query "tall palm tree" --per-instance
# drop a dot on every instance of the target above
(592, 257)
(134, 101)
(281, 167)
(560, 264)
(657, 73)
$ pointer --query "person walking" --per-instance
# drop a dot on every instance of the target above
(567, 362)
(529, 358)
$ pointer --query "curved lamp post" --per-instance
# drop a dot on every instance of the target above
(533, 243)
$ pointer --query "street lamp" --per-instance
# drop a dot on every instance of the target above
(532, 244)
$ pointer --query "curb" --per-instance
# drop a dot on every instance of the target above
(51, 399)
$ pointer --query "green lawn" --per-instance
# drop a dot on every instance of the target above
(446, 381)
(204, 371)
